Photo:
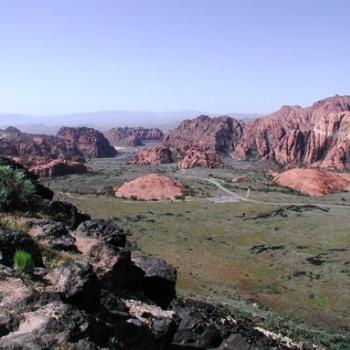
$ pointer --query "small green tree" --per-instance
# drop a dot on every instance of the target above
(23, 262)
(16, 189)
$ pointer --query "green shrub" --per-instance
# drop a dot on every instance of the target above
(23, 262)
(16, 190)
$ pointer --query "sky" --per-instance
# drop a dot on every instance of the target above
(67, 56)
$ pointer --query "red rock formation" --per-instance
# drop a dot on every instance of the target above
(203, 132)
(314, 182)
(200, 158)
(59, 167)
(152, 156)
(133, 136)
(32, 150)
(150, 187)
(90, 142)
(317, 135)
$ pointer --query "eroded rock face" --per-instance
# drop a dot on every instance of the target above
(33, 150)
(133, 136)
(90, 142)
(152, 156)
(200, 158)
(317, 135)
(59, 167)
(71, 146)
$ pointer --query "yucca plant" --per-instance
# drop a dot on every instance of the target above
(23, 262)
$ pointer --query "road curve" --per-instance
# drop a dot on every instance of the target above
(244, 199)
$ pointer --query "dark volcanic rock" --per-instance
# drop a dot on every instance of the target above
(48, 327)
(159, 279)
(77, 284)
(102, 230)
(11, 241)
(64, 212)
(110, 260)
(90, 142)
(53, 233)
(41, 190)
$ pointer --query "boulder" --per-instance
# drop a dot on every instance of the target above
(110, 260)
(137, 324)
(159, 279)
(234, 342)
(77, 284)
(102, 230)
(64, 212)
(53, 234)
(52, 326)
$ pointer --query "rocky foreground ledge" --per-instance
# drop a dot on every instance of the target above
(87, 292)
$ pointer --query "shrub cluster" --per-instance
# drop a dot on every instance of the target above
(16, 190)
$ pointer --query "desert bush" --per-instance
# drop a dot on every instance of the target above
(23, 262)
(16, 190)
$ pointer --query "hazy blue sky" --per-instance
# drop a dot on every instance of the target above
(59, 56)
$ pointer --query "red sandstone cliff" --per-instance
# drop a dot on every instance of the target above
(92, 143)
(133, 136)
(314, 136)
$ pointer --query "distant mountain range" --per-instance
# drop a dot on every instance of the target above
(103, 120)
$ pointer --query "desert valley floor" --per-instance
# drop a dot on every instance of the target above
(257, 248)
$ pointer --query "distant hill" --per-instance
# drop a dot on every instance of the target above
(103, 120)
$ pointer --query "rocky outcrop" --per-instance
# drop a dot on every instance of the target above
(314, 182)
(133, 136)
(159, 279)
(70, 146)
(152, 156)
(11, 241)
(203, 132)
(200, 158)
(90, 142)
(40, 190)
(312, 136)
(33, 150)
(59, 167)
(149, 187)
